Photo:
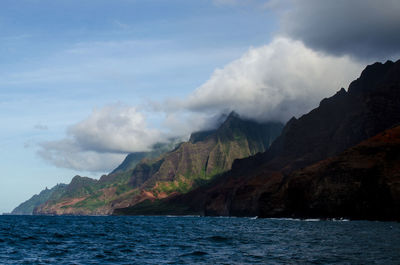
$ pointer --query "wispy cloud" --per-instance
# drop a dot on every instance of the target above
(16, 37)
(121, 25)
(41, 127)
(101, 62)
(67, 154)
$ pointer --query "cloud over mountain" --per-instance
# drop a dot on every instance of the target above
(269, 83)
(273, 82)
(321, 47)
(367, 29)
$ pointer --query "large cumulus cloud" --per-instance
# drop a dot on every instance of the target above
(115, 129)
(268, 83)
(101, 141)
(367, 29)
(273, 82)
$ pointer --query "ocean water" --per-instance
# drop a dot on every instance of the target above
(195, 240)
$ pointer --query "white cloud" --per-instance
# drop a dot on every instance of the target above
(67, 153)
(100, 142)
(273, 82)
(115, 129)
(181, 122)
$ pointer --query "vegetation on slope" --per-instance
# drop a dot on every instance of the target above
(27, 207)
(190, 165)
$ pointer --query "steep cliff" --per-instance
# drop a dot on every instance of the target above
(363, 182)
(371, 105)
(255, 185)
(190, 165)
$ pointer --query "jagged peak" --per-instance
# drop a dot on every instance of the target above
(374, 74)
(341, 93)
(200, 135)
(292, 120)
(233, 114)
(78, 179)
(225, 123)
(375, 67)
(232, 117)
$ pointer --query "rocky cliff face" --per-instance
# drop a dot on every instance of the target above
(371, 105)
(254, 185)
(133, 159)
(205, 155)
(189, 165)
(363, 182)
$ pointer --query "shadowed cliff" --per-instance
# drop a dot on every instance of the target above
(255, 186)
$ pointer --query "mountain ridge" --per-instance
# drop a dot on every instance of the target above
(190, 165)
(237, 170)
(28, 206)
(340, 122)
(251, 188)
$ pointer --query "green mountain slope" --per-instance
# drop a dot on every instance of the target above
(83, 186)
(190, 165)
(96, 190)
(27, 207)
(133, 159)
(197, 161)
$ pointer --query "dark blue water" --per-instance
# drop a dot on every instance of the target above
(187, 240)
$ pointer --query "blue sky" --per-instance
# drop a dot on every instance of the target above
(61, 59)
(82, 83)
